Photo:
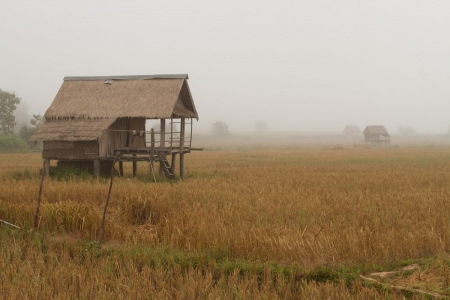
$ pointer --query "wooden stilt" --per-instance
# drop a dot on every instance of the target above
(96, 168)
(134, 167)
(182, 165)
(172, 164)
(46, 168)
(161, 165)
(152, 153)
(163, 133)
(121, 168)
(162, 144)
(182, 133)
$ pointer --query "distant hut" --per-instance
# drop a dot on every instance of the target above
(94, 120)
(352, 130)
(376, 134)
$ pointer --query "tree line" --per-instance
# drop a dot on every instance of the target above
(8, 140)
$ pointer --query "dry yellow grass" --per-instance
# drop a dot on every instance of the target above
(244, 224)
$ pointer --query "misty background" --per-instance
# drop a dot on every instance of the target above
(298, 65)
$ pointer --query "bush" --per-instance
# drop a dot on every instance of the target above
(69, 172)
(12, 143)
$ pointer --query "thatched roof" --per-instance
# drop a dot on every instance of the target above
(71, 130)
(352, 129)
(146, 96)
(376, 130)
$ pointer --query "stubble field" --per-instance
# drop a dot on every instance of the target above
(274, 223)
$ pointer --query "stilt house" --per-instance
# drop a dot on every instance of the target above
(352, 130)
(96, 120)
(376, 134)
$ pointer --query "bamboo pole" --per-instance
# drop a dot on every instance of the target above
(36, 215)
(102, 232)
(7, 223)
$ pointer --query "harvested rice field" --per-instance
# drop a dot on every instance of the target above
(347, 222)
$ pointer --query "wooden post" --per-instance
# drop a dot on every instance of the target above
(162, 145)
(36, 215)
(182, 132)
(152, 149)
(96, 168)
(182, 165)
(46, 169)
(161, 165)
(121, 168)
(102, 232)
(162, 139)
(190, 137)
(172, 165)
(134, 166)
(171, 134)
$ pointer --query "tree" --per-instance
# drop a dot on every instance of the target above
(26, 132)
(8, 104)
(37, 121)
(261, 126)
(220, 129)
(22, 116)
(406, 131)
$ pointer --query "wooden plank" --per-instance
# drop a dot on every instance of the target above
(144, 150)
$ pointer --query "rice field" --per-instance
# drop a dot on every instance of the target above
(276, 223)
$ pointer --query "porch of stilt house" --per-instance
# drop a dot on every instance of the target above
(163, 143)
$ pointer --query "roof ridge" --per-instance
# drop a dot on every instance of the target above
(127, 77)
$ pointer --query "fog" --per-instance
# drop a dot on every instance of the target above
(298, 65)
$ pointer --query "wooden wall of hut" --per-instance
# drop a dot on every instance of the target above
(70, 150)
(120, 135)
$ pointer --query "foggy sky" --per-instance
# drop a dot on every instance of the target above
(298, 65)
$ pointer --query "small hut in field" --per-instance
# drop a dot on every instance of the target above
(96, 120)
(376, 134)
(351, 130)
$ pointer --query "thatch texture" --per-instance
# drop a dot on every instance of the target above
(376, 130)
(72, 130)
(150, 97)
